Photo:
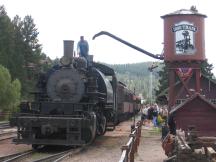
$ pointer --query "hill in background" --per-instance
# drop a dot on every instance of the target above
(137, 76)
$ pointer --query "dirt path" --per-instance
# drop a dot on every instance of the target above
(150, 149)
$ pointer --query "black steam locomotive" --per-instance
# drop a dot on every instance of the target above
(76, 101)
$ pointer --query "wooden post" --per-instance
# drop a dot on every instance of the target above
(132, 154)
(139, 132)
(133, 147)
(198, 75)
(171, 101)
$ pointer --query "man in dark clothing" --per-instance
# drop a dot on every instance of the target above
(83, 47)
(150, 113)
(155, 115)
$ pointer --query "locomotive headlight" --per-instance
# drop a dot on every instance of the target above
(66, 88)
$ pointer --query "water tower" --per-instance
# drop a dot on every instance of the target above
(184, 48)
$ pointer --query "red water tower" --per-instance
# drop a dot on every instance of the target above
(184, 48)
(184, 35)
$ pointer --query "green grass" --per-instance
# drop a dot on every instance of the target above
(150, 133)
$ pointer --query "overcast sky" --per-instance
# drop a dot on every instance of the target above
(136, 21)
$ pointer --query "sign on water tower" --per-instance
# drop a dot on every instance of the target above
(184, 36)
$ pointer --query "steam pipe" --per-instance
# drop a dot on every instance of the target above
(157, 56)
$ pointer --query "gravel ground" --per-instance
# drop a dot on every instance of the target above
(150, 149)
(107, 148)
(7, 148)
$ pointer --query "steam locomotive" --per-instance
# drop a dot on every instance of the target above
(75, 101)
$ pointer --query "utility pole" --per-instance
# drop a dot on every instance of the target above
(150, 80)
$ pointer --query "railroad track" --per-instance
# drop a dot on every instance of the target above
(7, 135)
(4, 125)
(17, 156)
(61, 156)
(55, 157)
(5, 132)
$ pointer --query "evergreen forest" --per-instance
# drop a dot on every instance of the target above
(137, 77)
(21, 59)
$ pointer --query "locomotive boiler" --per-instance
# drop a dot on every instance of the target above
(75, 101)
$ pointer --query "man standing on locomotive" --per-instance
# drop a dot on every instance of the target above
(83, 48)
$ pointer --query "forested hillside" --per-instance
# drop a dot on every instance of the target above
(137, 76)
(20, 50)
(21, 59)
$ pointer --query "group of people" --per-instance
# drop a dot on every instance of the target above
(160, 117)
(155, 114)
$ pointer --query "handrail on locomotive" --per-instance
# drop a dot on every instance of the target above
(156, 56)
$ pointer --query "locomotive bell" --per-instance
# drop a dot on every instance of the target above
(184, 35)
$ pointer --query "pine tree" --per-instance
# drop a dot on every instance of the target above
(163, 80)
(206, 69)
(6, 40)
(29, 48)
(20, 50)
(9, 91)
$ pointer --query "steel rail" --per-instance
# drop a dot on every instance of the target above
(17, 156)
(60, 156)
(4, 125)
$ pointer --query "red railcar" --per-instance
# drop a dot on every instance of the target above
(128, 104)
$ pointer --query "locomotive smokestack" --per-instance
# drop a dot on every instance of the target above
(68, 48)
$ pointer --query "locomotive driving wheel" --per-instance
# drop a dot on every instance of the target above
(101, 125)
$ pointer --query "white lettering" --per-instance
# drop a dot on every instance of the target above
(184, 27)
